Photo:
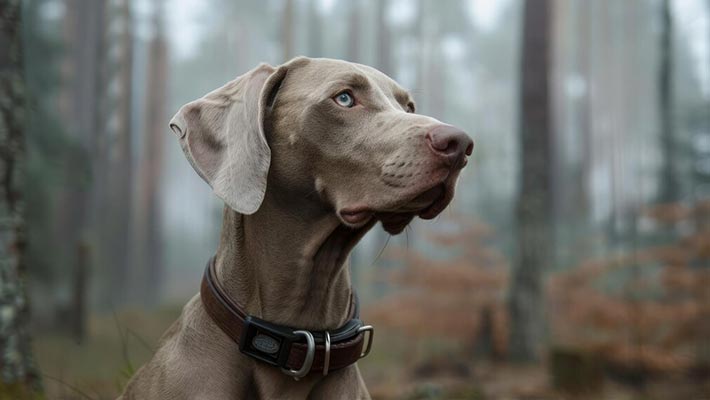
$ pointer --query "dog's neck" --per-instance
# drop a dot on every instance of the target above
(288, 268)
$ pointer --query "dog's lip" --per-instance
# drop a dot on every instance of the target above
(356, 215)
(396, 220)
(439, 204)
(433, 199)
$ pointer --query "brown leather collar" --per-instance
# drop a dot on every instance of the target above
(291, 349)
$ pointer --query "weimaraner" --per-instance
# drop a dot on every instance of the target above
(307, 157)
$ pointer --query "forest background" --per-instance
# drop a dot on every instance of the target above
(573, 263)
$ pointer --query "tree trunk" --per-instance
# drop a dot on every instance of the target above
(354, 27)
(287, 31)
(533, 205)
(384, 39)
(79, 304)
(585, 111)
(315, 36)
(18, 376)
(669, 182)
(114, 217)
(80, 107)
(149, 234)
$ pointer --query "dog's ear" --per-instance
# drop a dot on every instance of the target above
(222, 135)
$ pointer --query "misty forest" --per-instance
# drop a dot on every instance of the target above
(574, 261)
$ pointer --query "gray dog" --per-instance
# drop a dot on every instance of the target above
(307, 157)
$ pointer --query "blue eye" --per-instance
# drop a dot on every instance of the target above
(344, 99)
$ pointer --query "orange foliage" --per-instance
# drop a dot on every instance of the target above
(659, 321)
(459, 298)
(654, 323)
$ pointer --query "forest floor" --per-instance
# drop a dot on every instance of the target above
(116, 346)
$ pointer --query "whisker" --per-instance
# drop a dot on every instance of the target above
(382, 250)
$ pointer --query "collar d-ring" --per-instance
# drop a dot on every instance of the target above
(307, 362)
(326, 356)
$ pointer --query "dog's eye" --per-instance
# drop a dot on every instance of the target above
(344, 99)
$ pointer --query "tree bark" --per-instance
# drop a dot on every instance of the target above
(384, 39)
(81, 113)
(148, 238)
(18, 375)
(669, 182)
(114, 216)
(79, 304)
(354, 27)
(315, 35)
(287, 31)
(533, 209)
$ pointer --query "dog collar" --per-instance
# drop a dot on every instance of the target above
(297, 352)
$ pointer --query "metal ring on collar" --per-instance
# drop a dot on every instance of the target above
(326, 357)
(371, 334)
(308, 361)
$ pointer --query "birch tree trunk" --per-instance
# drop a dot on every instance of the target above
(533, 210)
(18, 376)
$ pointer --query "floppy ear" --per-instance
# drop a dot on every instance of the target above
(222, 135)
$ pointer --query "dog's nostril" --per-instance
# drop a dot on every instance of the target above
(469, 149)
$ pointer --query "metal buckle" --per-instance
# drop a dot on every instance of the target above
(326, 357)
(370, 337)
(307, 362)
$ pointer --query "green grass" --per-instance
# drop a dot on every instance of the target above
(115, 347)
(398, 368)
(18, 391)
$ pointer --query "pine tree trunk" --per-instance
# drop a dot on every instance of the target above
(114, 217)
(533, 210)
(669, 183)
(18, 376)
(384, 39)
(287, 31)
(148, 238)
(81, 113)
(354, 27)
(315, 34)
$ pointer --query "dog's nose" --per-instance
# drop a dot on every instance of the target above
(451, 144)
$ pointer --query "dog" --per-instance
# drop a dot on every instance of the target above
(307, 157)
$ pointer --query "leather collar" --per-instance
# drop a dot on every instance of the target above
(297, 352)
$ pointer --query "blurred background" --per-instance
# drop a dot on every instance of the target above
(573, 263)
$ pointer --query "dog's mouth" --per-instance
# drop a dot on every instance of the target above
(427, 205)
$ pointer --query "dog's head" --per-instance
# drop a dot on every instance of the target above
(340, 135)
